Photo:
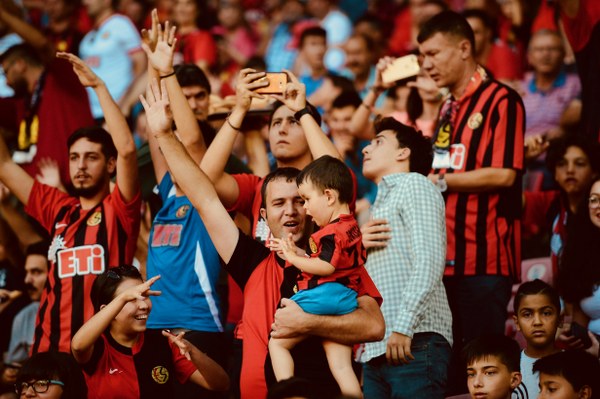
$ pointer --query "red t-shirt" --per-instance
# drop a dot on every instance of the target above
(84, 244)
(264, 280)
(144, 371)
(197, 46)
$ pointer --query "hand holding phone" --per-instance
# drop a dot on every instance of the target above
(401, 68)
(277, 82)
(581, 333)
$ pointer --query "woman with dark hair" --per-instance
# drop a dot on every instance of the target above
(51, 375)
(121, 359)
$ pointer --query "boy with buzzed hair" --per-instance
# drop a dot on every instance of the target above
(330, 275)
(493, 369)
(572, 374)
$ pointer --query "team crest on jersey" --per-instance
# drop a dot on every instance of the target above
(475, 120)
(182, 211)
(295, 289)
(95, 219)
(160, 374)
(313, 245)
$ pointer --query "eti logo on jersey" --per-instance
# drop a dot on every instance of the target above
(79, 261)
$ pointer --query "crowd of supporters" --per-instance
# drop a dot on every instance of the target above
(174, 221)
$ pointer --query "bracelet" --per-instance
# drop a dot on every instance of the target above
(233, 127)
(301, 113)
(167, 75)
(369, 107)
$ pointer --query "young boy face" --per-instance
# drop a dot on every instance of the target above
(316, 203)
(538, 319)
(557, 387)
(489, 378)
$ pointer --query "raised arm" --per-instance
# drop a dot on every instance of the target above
(127, 170)
(18, 224)
(190, 178)
(215, 159)
(82, 345)
(294, 97)
(30, 34)
(13, 176)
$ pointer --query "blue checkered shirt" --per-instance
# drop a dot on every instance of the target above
(408, 272)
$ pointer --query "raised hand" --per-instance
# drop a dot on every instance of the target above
(161, 55)
(86, 76)
(183, 345)
(140, 291)
(248, 81)
(381, 66)
(294, 95)
(150, 37)
(49, 172)
(4, 193)
(157, 107)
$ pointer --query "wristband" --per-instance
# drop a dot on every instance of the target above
(369, 107)
(301, 113)
(167, 75)
(233, 127)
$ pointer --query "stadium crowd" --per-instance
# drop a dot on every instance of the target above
(299, 198)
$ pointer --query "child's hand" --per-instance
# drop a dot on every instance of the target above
(183, 345)
(140, 291)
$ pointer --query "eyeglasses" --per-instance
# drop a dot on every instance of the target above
(39, 386)
(594, 202)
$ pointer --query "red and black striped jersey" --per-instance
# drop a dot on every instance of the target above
(84, 243)
(484, 228)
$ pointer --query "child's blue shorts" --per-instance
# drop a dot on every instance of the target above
(327, 299)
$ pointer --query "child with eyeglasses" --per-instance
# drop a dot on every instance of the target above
(51, 375)
(121, 359)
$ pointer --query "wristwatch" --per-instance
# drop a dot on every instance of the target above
(441, 182)
(301, 113)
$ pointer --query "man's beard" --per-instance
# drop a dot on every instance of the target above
(88, 192)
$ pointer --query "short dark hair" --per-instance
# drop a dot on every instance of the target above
(368, 41)
(95, 134)
(312, 110)
(312, 31)
(345, 99)
(191, 75)
(55, 366)
(22, 51)
(421, 150)
(504, 348)
(106, 284)
(536, 287)
(38, 248)
(447, 23)
(558, 148)
(579, 368)
(329, 173)
(289, 174)
(481, 15)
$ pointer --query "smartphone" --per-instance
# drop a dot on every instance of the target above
(277, 82)
(401, 68)
(580, 332)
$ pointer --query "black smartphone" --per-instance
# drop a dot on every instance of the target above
(580, 332)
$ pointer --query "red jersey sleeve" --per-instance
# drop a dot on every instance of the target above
(127, 212)
(507, 133)
(183, 367)
(45, 202)
(247, 185)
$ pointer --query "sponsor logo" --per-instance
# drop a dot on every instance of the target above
(111, 371)
(80, 261)
(166, 235)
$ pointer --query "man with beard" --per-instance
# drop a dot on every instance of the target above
(52, 104)
(91, 231)
(36, 274)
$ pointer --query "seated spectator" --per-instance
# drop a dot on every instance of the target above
(116, 336)
(493, 368)
(548, 89)
(52, 375)
(537, 316)
(504, 62)
(194, 45)
(568, 375)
